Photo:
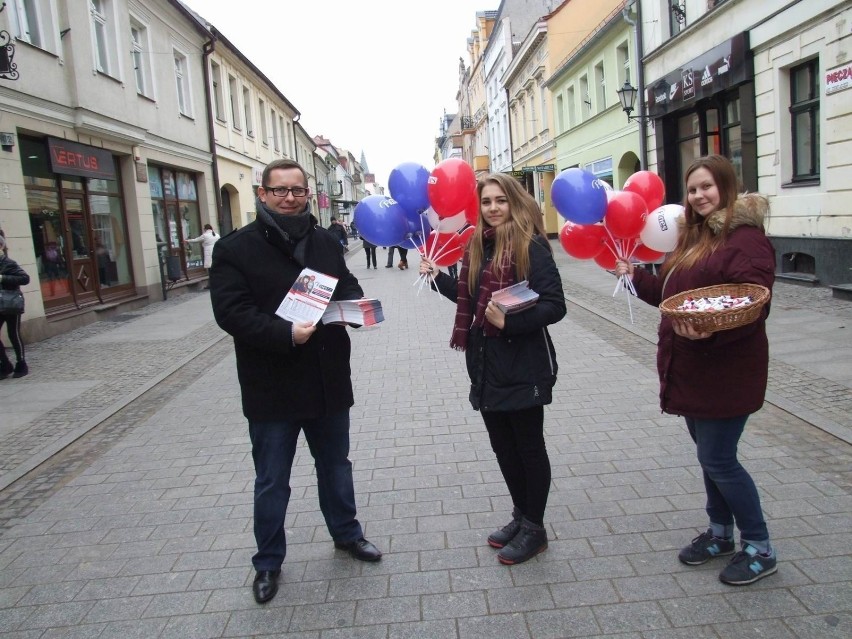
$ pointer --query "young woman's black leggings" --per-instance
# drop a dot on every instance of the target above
(13, 327)
(517, 438)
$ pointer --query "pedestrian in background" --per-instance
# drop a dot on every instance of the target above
(716, 380)
(370, 251)
(294, 377)
(510, 358)
(12, 278)
(207, 239)
(390, 257)
(403, 258)
(338, 231)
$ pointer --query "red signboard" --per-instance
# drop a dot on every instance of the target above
(72, 158)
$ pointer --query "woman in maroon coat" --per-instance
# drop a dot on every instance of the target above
(716, 380)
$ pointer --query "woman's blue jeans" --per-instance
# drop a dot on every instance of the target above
(731, 493)
(273, 450)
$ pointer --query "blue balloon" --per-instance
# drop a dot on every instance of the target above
(381, 220)
(418, 230)
(579, 196)
(408, 186)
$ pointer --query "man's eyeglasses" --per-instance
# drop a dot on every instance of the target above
(282, 191)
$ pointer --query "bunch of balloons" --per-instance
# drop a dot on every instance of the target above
(430, 211)
(602, 224)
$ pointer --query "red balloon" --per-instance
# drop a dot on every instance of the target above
(445, 248)
(625, 215)
(648, 186)
(582, 241)
(471, 211)
(466, 233)
(644, 254)
(606, 258)
(450, 185)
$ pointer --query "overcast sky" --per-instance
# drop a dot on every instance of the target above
(371, 75)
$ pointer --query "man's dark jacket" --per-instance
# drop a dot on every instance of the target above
(252, 272)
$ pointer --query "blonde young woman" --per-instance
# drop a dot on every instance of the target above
(510, 358)
(716, 380)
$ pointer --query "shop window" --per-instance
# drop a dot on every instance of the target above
(103, 37)
(174, 205)
(141, 54)
(78, 229)
(804, 112)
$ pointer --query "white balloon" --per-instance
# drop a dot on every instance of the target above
(661, 228)
(452, 224)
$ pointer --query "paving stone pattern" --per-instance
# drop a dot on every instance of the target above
(146, 530)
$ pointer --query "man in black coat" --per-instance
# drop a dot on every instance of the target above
(293, 376)
(339, 231)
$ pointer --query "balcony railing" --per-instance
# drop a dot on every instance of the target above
(467, 123)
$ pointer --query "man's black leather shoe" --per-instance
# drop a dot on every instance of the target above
(265, 585)
(360, 549)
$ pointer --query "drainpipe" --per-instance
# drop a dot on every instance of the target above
(208, 49)
(640, 77)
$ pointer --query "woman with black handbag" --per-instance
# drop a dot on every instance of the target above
(12, 277)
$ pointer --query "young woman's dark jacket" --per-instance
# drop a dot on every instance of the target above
(252, 271)
(14, 277)
(517, 368)
(724, 375)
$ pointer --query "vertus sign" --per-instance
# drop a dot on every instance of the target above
(71, 158)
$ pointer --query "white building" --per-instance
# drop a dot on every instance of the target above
(765, 82)
(105, 154)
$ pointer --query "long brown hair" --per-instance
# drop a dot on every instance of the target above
(513, 237)
(697, 240)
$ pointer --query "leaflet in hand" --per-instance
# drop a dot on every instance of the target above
(363, 312)
(307, 300)
(514, 298)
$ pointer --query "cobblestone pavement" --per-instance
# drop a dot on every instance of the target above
(142, 527)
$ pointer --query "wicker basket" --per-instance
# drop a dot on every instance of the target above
(712, 321)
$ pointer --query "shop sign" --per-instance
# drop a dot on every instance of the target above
(256, 176)
(720, 68)
(838, 79)
(517, 174)
(72, 158)
(544, 168)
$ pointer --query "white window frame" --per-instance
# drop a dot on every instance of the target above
(140, 52)
(261, 116)
(233, 94)
(183, 85)
(247, 111)
(218, 93)
(104, 43)
(276, 142)
(600, 86)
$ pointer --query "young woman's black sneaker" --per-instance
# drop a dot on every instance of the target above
(529, 541)
(500, 538)
(704, 547)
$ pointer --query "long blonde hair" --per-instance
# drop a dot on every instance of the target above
(697, 239)
(513, 237)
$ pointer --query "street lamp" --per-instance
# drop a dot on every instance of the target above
(627, 96)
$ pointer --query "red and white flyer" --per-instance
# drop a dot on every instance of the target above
(308, 298)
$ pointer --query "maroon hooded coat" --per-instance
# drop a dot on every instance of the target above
(724, 375)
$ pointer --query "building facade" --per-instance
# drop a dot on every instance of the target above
(764, 83)
(108, 165)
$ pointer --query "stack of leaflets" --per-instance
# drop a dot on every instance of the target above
(363, 312)
(307, 300)
(514, 298)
